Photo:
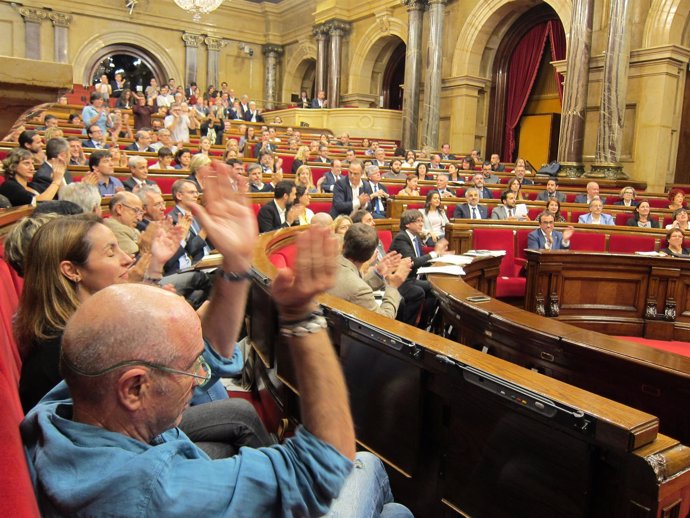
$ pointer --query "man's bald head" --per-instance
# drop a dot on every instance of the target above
(152, 325)
(322, 219)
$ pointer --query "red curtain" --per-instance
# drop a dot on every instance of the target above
(557, 40)
(524, 65)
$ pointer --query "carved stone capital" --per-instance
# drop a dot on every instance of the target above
(414, 5)
(610, 171)
(60, 19)
(192, 40)
(441, 2)
(383, 19)
(215, 43)
(32, 14)
(270, 48)
(337, 27)
(320, 32)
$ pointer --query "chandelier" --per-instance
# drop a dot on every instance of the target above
(198, 7)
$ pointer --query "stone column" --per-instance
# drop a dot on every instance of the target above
(191, 61)
(33, 17)
(214, 45)
(613, 93)
(272, 53)
(574, 110)
(336, 31)
(432, 80)
(413, 73)
(320, 33)
(61, 22)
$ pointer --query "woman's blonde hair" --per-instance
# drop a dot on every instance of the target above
(310, 183)
(302, 153)
(199, 160)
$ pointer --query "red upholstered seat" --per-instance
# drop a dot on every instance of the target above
(570, 197)
(619, 244)
(165, 182)
(425, 189)
(534, 212)
(256, 207)
(509, 283)
(320, 206)
(395, 189)
(657, 203)
(622, 218)
(284, 257)
(287, 163)
(575, 215)
(386, 237)
(588, 242)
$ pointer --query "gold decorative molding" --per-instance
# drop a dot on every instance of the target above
(215, 43)
(32, 14)
(192, 40)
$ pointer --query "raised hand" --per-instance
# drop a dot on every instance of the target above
(400, 274)
(294, 289)
(226, 216)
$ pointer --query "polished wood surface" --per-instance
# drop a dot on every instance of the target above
(453, 445)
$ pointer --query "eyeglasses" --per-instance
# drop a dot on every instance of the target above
(201, 371)
(136, 210)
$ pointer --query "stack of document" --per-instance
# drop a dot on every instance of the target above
(485, 253)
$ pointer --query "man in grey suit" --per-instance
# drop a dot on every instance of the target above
(471, 209)
(551, 192)
(350, 193)
(592, 192)
(359, 246)
(546, 238)
(507, 210)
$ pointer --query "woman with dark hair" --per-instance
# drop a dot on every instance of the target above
(435, 219)
(411, 186)
(422, 172)
(454, 176)
(676, 197)
(126, 100)
(183, 158)
(641, 217)
(680, 219)
(675, 247)
(553, 207)
(19, 171)
(247, 138)
(410, 159)
(515, 186)
(302, 201)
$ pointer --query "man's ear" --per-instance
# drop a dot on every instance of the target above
(132, 388)
(70, 271)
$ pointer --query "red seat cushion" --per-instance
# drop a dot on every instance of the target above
(395, 189)
(509, 282)
(320, 206)
(386, 237)
(620, 244)
(284, 257)
(588, 241)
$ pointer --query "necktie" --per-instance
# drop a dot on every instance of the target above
(417, 248)
(474, 213)
(379, 203)
(510, 213)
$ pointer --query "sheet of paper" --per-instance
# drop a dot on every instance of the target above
(449, 269)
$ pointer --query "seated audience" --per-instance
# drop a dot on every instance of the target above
(410, 158)
(595, 216)
(675, 247)
(489, 176)
(83, 194)
(185, 195)
(165, 158)
(119, 158)
(592, 192)
(395, 172)
(435, 219)
(183, 157)
(32, 142)
(303, 178)
(197, 162)
(355, 285)
(520, 172)
(442, 186)
(508, 210)
(676, 198)
(301, 157)
(164, 140)
(546, 238)
(627, 196)
(454, 176)
(57, 154)
(350, 192)
(551, 192)
(323, 157)
(680, 219)
(17, 241)
(553, 207)
(126, 210)
(478, 182)
(139, 170)
(422, 172)
(76, 151)
(256, 183)
(341, 224)
(301, 205)
(327, 182)
(379, 192)
(411, 186)
(515, 187)
(19, 172)
(279, 213)
(96, 138)
(641, 217)
(496, 164)
(471, 208)
(103, 170)
(445, 152)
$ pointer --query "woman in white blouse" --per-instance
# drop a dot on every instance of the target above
(435, 219)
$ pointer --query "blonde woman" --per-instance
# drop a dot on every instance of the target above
(303, 178)
(302, 157)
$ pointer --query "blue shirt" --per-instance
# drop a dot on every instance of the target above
(79, 470)
(109, 190)
(88, 113)
(221, 367)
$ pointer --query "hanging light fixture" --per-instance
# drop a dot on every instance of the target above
(198, 7)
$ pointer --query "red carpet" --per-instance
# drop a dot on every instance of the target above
(682, 348)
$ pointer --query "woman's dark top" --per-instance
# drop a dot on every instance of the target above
(16, 193)
(632, 222)
(40, 372)
(296, 164)
(684, 254)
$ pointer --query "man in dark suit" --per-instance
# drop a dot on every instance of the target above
(442, 186)
(519, 173)
(445, 152)
(304, 101)
(253, 114)
(408, 243)
(484, 192)
(139, 170)
(551, 192)
(471, 209)
(264, 145)
(320, 100)
(279, 212)
(379, 193)
(256, 183)
(57, 150)
(184, 193)
(95, 140)
(496, 164)
(142, 142)
(546, 238)
(592, 192)
(332, 176)
(323, 155)
(350, 193)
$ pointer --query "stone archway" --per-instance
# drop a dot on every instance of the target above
(666, 23)
(123, 42)
(297, 68)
